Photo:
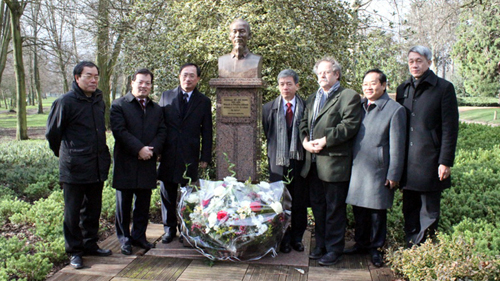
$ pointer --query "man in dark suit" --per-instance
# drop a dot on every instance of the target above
(188, 117)
(432, 111)
(140, 132)
(331, 120)
(280, 121)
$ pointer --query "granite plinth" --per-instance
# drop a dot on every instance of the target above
(238, 133)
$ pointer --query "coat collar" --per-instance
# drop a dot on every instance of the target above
(97, 95)
(431, 79)
(331, 101)
(380, 103)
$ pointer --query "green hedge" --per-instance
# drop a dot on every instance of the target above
(468, 247)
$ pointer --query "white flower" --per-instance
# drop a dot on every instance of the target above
(192, 198)
(278, 209)
(243, 216)
(219, 191)
(262, 229)
(230, 179)
(264, 184)
(212, 220)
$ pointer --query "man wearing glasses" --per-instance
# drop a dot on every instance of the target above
(76, 133)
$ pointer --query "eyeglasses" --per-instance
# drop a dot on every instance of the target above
(90, 77)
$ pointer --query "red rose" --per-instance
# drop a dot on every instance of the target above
(222, 215)
(255, 206)
(205, 202)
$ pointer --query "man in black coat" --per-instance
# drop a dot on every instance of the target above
(280, 121)
(76, 133)
(432, 116)
(140, 132)
(188, 116)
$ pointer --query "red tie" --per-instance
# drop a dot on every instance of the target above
(289, 115)
(143, 103)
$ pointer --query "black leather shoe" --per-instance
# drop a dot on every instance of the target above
(76, 261)
(181, 239)
(317, 253)
(298, 246)
(330, 258)
(143, 244)
(285, 248)
(167, 238)
(356, 249)
(99, 252)
(377, 259)
(126, 249)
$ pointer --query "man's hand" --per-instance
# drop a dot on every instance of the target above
(146, 153)
(319, 144)
(391, 184)
(203, 164)
(443, 172)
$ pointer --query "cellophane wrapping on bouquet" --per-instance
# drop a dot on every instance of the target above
(230, 220)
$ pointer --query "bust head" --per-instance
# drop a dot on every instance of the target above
(239, 34)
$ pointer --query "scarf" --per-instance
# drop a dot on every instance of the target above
(283, 155)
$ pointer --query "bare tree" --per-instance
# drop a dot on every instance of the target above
(16, 11)
(5, 36)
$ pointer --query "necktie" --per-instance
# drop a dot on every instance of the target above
(289, 115)
(143, 103)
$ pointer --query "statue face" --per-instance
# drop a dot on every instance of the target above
(239, 33)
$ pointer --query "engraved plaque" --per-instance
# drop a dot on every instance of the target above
(236, 106)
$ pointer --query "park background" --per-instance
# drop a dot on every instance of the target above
(42, 40)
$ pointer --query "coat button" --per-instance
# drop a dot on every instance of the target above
(411, 129)
(412, 114)
(411, 143)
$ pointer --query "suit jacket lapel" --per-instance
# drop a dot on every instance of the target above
(193, 102)
(330, 102)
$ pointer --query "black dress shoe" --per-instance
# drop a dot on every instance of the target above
(143, 244)
(285, 248)
(167, 238)
(356, 249)
(181, 239)
(76, 261)
(377, 259)
(330, 258)
(126, 249)
(298, 246)
(317, 253)
(99, 252)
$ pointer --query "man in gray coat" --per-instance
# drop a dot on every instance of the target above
(140, 132)
(378, 161)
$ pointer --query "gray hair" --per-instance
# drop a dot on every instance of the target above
(422, 50)
(289, 73)
(335, 65)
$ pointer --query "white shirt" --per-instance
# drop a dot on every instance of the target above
(286, 107)
(189, 95)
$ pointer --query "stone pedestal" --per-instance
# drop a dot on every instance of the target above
(239, 105)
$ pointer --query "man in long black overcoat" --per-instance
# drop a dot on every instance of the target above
(432, 116)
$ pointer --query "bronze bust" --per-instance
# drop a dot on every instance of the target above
(240, 63)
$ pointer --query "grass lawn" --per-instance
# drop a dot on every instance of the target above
(481, 115)
(9, 120)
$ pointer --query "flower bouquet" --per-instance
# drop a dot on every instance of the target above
(230, 220)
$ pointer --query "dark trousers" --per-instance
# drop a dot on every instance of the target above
(329, 210)
(169, 206)
(82, 209)
(300, 200)
(421, 211)
(371, 227)
(140, 219)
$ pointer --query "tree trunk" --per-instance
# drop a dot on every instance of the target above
(16, 10)
(36, 70)
(103, 30)
(6, 37)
